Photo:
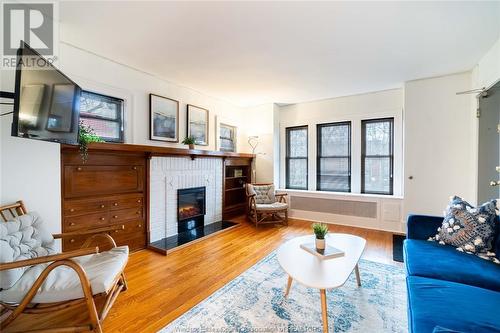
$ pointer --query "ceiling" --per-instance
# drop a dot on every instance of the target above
(251, 53)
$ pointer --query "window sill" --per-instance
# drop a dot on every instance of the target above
(327, 194)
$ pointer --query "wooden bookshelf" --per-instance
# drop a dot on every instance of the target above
(237, 172)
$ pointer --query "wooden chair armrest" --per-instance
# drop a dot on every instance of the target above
(54, 257)
(89, 232)
(280, 194)
(95, 237)
(251, 195)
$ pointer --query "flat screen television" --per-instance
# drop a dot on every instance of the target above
(46, 102)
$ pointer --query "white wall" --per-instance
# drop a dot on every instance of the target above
(388, 103)
(260, 121)
(439, 145)
(30, 170)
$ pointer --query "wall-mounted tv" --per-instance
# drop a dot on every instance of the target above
(46, 103)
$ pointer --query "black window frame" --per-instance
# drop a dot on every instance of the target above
(118, 120)
(390, 156)
(319, 156)
(288, 158)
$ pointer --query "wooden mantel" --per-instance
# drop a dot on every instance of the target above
(157, 151)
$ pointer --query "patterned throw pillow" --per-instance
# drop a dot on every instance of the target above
(469, 229)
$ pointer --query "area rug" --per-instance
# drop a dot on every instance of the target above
(254, 302)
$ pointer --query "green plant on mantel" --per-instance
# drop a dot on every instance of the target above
(86, 135)
(189, 141)
(320, 230)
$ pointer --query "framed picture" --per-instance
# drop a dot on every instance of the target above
(60, 118)
(164, 119)
(225, 135)
(197, 124)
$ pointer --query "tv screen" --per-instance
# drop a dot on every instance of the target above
(46, 103)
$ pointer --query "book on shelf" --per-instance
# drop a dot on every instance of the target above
(329, 252)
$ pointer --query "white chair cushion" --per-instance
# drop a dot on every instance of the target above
(264, 194)
(22, 238)
(273, 206)
(63, 283)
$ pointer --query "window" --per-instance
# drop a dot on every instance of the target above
(377, 156)
(227, 138)
(104, 114)
(334, 157)
(296, 158)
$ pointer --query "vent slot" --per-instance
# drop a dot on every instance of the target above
(334, 206)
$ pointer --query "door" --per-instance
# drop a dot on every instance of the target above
(489, 145)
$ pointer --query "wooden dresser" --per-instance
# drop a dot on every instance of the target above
(109, 189)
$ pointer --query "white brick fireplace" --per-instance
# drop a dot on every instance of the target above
(167, 175)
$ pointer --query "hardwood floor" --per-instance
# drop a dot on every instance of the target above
(161, 288)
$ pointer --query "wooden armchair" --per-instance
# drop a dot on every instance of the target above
(48, 283)
(264, 205)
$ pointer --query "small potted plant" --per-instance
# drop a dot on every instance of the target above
(189, 141)
(86, 135)
(320, 230)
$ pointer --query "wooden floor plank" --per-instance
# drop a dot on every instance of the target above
(161, 288)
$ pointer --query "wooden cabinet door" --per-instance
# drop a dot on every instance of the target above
(102, 179)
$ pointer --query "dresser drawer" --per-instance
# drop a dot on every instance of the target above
(102, 179)
(118, 216)
(121, 202)
(78, 207)
(134, 235)
(88, 221)
(76, 242)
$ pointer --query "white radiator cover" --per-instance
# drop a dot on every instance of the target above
(167, 175)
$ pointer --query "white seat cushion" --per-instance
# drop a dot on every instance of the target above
(63, 283)
(273, 206)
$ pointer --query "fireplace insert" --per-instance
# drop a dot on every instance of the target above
(190, 208)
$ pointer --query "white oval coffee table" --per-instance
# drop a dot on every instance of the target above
(318, 273)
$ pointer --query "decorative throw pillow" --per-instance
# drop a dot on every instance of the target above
(264, 194)
(469, 229)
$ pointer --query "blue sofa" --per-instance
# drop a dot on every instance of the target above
(449, 291)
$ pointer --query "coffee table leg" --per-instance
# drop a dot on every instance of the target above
(288, 285)
(358, 278)
(324, 311)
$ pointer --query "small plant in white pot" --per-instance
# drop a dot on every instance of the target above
(320, 230)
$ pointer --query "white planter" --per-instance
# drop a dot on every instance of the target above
(320, 244)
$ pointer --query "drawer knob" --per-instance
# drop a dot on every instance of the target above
(138, 212)
(102, 218)
(115, 217)
(79, 168)
(139, 225)
(102, 206)
(135, 168)
(139, 201)
(71, 240)
(72, 223)
(72, 210)
(115, 204)
(116, 230)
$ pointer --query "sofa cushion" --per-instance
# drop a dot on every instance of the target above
(469, 229)
(429, 259)
(63, 284)
(456, 306)
(24, 237)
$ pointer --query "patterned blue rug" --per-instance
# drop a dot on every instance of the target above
(254, 302)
